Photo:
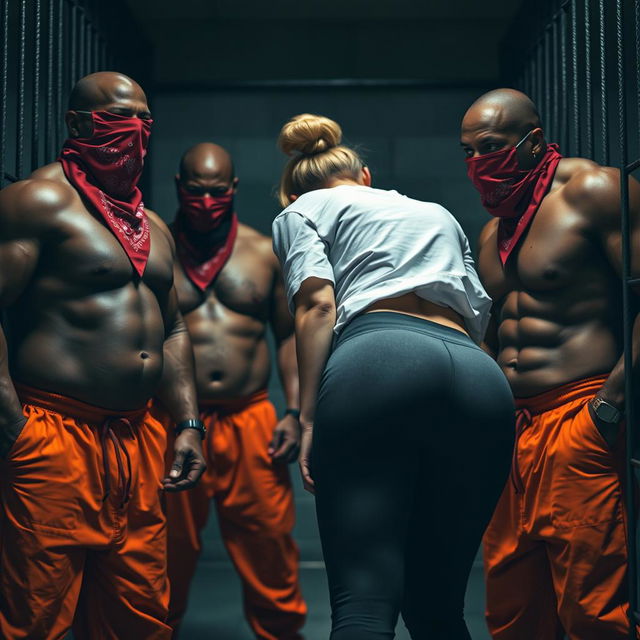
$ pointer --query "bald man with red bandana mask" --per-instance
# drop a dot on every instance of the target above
(94, 332)
(230, 292)
(555, 551)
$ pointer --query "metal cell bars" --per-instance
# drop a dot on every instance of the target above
(587, 54)
(46, 46)
(630, 279)
(562, 54)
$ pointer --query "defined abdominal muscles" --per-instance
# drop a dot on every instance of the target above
(530, 332)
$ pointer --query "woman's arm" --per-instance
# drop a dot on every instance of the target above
(315, 317)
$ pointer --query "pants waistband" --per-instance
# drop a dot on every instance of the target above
(381, 320)
(74, 408)
(561, 395)
(105, 420)
(233, 405)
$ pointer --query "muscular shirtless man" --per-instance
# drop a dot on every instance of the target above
(86, 277)
(230, 288)
(554, 552)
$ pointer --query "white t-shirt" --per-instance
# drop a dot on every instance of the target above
(374, 244)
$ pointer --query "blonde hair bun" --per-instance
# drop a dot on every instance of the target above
(309, 134)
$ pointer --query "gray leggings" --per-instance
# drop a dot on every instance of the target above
(412, 446)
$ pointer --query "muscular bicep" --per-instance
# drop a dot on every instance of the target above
(612, 237)
(29, 217)
(18, 261)
(490, 344)
(281, 318)
(171, 312)
(20, 207)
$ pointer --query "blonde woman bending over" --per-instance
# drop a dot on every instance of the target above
(407, 423)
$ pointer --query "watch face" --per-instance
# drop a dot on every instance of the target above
(607, 413)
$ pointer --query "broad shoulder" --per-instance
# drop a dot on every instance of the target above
(585, 181)
(157, 223)
(594, 191)
(52, 171)
(29, 205)
(569, 168)
(488, 232)
(252, 238)
(257, 243)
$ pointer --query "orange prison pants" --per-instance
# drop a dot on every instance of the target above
(254, 500)
(82, 533)
(555, 551)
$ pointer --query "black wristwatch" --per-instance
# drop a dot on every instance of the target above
(198, 425)
(293, 412)
(606, 412)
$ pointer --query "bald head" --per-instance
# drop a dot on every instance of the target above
(504, 111)
(207, 168)
(206, 160)
(502, 119)
(97, 90)
(104, 91)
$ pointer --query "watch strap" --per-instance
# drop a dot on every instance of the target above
(293, 412)
(196, 424)
(605, 411)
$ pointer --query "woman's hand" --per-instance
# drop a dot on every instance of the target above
(305, 455)
(315, 318)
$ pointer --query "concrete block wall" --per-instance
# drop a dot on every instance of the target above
(409, 138)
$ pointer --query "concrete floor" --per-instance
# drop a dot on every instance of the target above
(215, 609)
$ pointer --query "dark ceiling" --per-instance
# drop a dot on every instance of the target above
(207, 42)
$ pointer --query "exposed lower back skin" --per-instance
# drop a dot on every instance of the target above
(414, 305)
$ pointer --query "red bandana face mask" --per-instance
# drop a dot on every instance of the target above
(510, 193)
(205, 230)
(205, 213)
(105, 170)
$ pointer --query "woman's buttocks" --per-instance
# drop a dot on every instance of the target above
(388, 361)
(392, 371)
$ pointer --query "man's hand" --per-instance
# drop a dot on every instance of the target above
(305, 455)
(188, 463)
(608, 431)
(9, 434)
(285, 444)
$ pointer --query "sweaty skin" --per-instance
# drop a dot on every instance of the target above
(557, 302)
(228, 322)
(81, 323)
(82, 326)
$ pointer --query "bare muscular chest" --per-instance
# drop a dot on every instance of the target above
(243, 288)
(556, 263)
(86, 256)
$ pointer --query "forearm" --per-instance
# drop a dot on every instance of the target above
(11, 415)
(314, 333)
(613, 390)
(288, 371)
(177, 388)
(10, 406)
(490, 344)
